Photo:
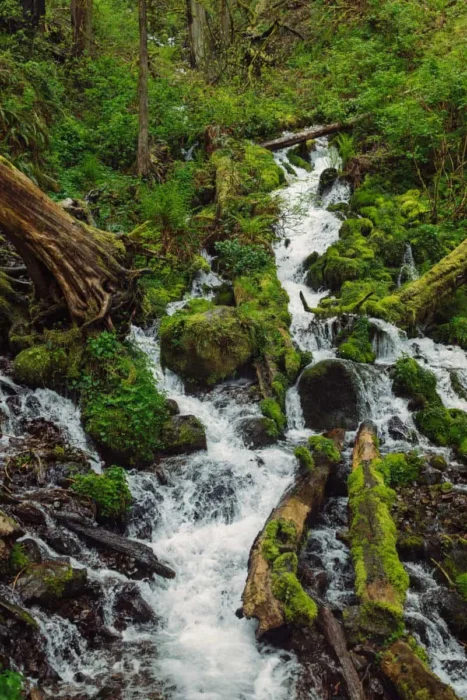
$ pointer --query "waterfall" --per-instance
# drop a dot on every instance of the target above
(204, 521)
(408, 271)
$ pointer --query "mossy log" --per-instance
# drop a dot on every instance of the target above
(300, 136)
(380, 579)
(411, 678)
(65, 258)
(273, 554)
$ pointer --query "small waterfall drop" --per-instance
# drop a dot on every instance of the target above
(408, 271)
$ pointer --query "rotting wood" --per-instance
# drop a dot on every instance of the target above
(307, 134)
(336, 639)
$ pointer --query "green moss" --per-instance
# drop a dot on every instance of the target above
(299, 162)
(279, 536)
(304, 457)
(357, 346)
(11, 685)
(373, 540)
(412, 381)
(324, 446)
(299, 608)
(285, 563)
(399, 469)
(352, 226)
(434, 422)
(206, 345)
(461, 583)
(109, 491)
(39, 367)
(122, 409)
(271, 409)
(58, 581)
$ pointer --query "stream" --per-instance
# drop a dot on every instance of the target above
(204, 521)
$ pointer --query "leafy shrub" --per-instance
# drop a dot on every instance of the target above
(109, 491)
(400, 469)
(238, 259)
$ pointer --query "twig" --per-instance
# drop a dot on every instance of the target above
(443, 571)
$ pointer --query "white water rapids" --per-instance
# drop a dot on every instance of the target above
(205, 520)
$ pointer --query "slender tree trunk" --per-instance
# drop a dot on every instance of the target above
(143, 162)
(34, 10)
(81, 21)
(65, 258)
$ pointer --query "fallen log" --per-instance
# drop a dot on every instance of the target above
(141, 553)
(272, 593)
(411, 677)
(306, 135)
(381, 581)
(336, 639)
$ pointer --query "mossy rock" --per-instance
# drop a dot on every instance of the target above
(326, 180)
(183, 434)
(206, 346)
(258, 431)
(40, 367)
(412, 381)
(50, 581)
(356, 345)
(329, 395)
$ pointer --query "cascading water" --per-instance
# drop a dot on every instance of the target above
(204, 521)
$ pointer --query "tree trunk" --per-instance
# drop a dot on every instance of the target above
(299, 137)
(33, 10)
(81, 22)
(64, 257)
(143, 162)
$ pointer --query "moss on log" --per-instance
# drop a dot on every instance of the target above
(381, 581)
(273, 595)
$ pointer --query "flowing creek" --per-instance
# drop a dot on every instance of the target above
(204, 521)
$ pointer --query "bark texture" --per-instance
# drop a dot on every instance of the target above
(64, 257)
(300, 136)
(299, 504)
(411, 678)
(336, 639)
(81, 22)
(143, 161)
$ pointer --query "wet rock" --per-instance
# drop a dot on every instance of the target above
(183, 435)
(20, 640)
(49, 581)
(398, 430)
(31, 550)
(9, 533)
(430, 476)
(329, 395)
(257, 431)
(172, 407)
(131, 607)
(453, 609)
(438, 462)
(326, 180)
(29, 513)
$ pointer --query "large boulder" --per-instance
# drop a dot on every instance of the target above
(329, 394)
(206, 346)
(183, 434)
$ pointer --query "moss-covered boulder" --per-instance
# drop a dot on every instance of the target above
(329, 395)
(355, 344)
(52, 580)
(206, 346)
(183, 434)
(326, 180)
